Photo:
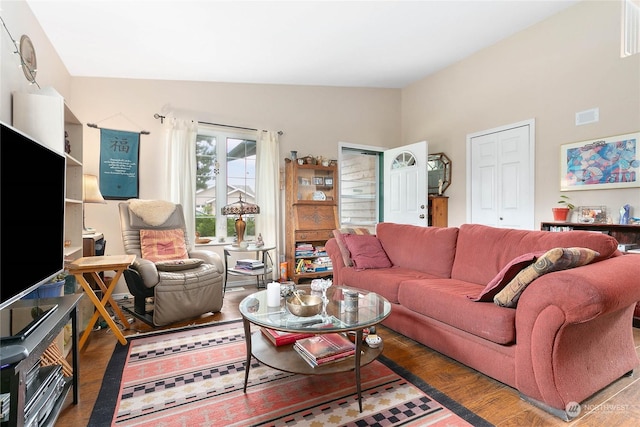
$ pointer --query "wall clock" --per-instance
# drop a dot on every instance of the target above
(28, 54)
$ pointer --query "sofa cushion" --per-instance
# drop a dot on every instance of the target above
(482, 251)
(366, 252)
(506, 275)
(339, 235)
(163, 245)
(445, 300)
(383, 281)
(554, 260)
(428, 250)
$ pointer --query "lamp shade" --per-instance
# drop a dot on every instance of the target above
(240, 208)
(90, 190)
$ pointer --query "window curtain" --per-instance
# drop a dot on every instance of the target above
(268, 193)
(180, 142)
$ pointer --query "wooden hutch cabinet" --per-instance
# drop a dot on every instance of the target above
(312, 215)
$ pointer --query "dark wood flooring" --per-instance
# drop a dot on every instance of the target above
(618, 404)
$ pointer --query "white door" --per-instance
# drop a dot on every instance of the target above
(405, 184)
(501, 176)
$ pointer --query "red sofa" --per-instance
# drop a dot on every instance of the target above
(569, 336)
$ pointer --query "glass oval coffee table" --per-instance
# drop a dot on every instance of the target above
(372, 309)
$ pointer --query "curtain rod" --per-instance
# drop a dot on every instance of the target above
(158, 116)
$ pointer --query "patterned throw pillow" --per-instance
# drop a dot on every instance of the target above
(554, 260)
(505, 276)
(339, 235)
(163, 245)
(366, 252)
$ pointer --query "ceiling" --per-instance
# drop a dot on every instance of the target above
(382, 44)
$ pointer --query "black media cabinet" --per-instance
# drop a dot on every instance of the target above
(32, 389)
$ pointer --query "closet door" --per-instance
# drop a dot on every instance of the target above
(500, 177)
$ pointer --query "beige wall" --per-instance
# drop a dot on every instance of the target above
(313, 120)
(566, 64)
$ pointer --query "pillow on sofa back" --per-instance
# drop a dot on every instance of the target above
(366, 252)
(554, 260)
(506, 275)
(339, 235)
(428, 250)
(163, 245)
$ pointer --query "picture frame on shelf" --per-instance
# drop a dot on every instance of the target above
(328, 182)
(600, 164)
(592, 214)
(318, 180)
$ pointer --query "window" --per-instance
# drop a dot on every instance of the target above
(226, 171)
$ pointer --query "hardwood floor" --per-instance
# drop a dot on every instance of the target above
(618, 404)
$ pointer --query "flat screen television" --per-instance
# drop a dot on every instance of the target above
(32, 209)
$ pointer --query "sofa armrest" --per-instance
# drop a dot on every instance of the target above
(574, 330)
(209, 257)
(337, 262)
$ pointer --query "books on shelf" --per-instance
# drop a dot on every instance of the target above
(324, 348)
(249, 264)
(279, 338)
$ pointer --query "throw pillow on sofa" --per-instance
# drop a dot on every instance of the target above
(505, 276)
(339, 235)
(366, 252)
(554, 260)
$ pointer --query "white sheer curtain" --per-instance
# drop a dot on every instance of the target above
(180, 142)
(268, 192)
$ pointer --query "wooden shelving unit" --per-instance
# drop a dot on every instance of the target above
(312, 214)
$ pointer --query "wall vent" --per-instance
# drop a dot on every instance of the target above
(587, 116)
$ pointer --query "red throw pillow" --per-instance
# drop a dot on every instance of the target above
(163, 245)
(366, 252)
(506, 275)
(339, 235)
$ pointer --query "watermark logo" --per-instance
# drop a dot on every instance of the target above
(573, 409)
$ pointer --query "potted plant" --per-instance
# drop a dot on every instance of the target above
(561, 213)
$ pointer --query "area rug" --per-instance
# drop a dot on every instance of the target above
(195, 376)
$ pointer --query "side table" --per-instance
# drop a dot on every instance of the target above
(260, 253)
(94, 265)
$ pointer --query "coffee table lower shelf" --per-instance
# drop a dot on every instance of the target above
(285, 358)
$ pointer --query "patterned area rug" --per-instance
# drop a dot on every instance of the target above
(195, 376)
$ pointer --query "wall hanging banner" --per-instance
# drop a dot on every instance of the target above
(119, 154)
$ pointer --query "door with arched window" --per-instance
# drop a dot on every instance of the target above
(405, 196)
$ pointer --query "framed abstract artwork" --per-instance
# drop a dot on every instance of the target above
(600, 164)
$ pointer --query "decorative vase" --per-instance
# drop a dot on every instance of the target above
(560, 214)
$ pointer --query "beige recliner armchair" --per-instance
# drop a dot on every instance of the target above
(183, 283)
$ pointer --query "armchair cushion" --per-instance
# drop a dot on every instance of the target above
(179, 264)
(163, 245)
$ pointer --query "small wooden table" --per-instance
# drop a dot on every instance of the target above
(94, 265)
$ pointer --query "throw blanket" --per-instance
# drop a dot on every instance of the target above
(153, 212)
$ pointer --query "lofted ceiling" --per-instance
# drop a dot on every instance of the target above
(382, 44)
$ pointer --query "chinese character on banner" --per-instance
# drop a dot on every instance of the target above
(119, 155)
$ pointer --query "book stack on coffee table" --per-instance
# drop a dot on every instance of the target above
(325, 348)
(279, 338)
